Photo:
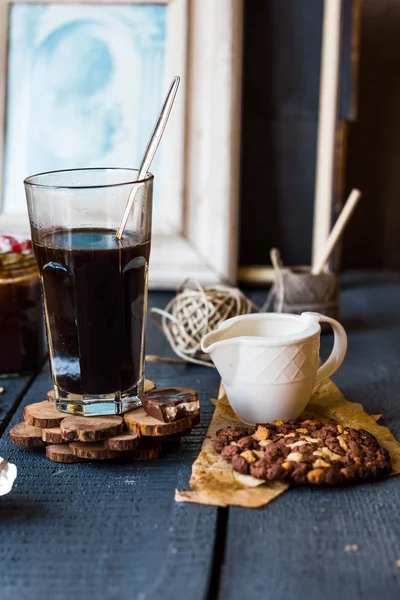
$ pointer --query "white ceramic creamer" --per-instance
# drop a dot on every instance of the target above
(269, 362)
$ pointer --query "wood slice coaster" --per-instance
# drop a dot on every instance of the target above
(52, 436)
(61, 453)
(92, 451)
(124, 442)
(43, 414)
(26, 435)
(149, 386)
(138, 421)
(99, 451)
(91, 429)
(150, 448)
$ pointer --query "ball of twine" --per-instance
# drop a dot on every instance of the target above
(195, 311)
(297, 290)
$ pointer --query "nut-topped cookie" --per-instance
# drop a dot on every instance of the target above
(304, 452)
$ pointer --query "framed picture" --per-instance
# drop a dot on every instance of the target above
(83, 82)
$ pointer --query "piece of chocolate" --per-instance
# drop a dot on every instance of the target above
(171, 404)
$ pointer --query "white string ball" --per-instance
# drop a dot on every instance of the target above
(195, 311)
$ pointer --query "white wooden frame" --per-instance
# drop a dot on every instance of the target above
(199, 236)
(327, 125)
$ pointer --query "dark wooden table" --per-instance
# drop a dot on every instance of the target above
(106, 531)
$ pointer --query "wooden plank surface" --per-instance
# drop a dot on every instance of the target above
(295, 547)
(108, 531)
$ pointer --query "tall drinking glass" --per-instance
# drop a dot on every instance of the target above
(94, 287)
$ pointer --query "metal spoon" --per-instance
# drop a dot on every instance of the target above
(150, 150)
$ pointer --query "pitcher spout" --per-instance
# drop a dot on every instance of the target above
(210, 340)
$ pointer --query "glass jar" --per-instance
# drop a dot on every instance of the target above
(22, 334)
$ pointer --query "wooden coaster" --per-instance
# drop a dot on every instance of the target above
(92, 451)
(149, 386)
(124, 442)
(91, 429)
(52, 436)
(43, 414)
(61, 453)
(138, 421)
(150, 448)
(26, 435)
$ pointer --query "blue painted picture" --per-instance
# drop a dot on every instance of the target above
(85, 84)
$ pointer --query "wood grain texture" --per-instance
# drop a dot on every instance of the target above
(120, 517)
(138, 421)
(293, 549)
(62, 453)
(52, 436)
(91, 450)
(298, 543)
(43, 414)
(26, 435)
(123, 442)
(91, 429)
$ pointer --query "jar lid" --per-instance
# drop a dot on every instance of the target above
(14, 243)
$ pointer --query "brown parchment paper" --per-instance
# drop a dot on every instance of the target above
(212, 480)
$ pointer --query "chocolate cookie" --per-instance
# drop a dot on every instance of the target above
(303, 452)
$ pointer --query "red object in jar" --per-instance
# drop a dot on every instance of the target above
(22, 334)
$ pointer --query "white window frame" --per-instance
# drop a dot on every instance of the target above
(199, 235)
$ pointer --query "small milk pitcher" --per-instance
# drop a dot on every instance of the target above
(269, 362)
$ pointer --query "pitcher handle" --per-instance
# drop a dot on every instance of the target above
(338, 351)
